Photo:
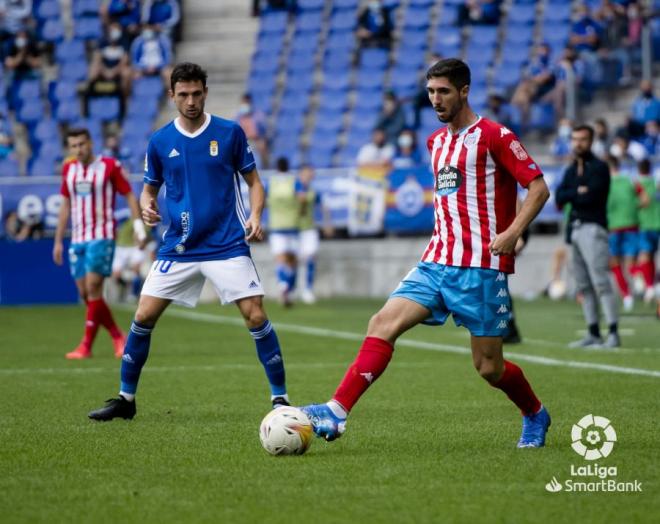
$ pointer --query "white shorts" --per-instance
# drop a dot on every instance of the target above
(281, 243)
(309, 243)
(127, 257)
(182, 282)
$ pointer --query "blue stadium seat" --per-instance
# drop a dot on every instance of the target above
(336, 82)
(9, 166)
(85, 7)
(148, 86)
(104, 108)
(343, 21)
(309, 21)
(374, 59)
(369, 80)
(405, 82)
(329, 123)
(272, 42)
(300, 81)
(542, 116)
(347, 155)
(421, 3)
(410, 56)
(324, 141)
(294, 101)
(484, 35)
(52, 30)
(448, 16)
(304, 42)
(29, 89)
(556, 34)
(320, 158)
(68, 110)
(144, 107)
(523, 14)
(70, 51)
(515, 53)
(47, 9)
(345, 4)
(263, 61)
(47, 130)
(369, 100)
(331, 100)
(448, 41)
(478, 56)
(31, 111)
(75, 70)
(507, 74)
(87, 28)
(428, 118)
(557, 13)
(64, 90)
(417, 18)
(414, 39)
(337, 62)
(51, 149)
(261, 81)
(340, 40)
(274, 22)
(310, 5)
(519, 34)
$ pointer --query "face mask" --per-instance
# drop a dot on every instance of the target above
(616, 150)
(244, 109)
(564, 131)
(405, 141)
(148, 34)
(115, 34)
(374, 6)
(21, 42)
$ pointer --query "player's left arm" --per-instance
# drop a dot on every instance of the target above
(509, 154)
(253, 230)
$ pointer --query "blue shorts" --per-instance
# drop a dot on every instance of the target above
(648, 241)
(476, 298)
(623, 243)
(91, 257)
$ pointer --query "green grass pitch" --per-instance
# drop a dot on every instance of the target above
(430, 442)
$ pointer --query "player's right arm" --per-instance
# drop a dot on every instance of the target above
(153, 179)
(62, 220)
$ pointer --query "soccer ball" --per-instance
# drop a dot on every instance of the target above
(286, 431)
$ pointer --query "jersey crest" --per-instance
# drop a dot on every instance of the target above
(213, 148)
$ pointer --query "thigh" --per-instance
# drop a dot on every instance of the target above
(422, 286)
(579, 264)
(630, 243)
(121, 260)
(98, 257)
(281, 243)
(179, 282)
(309, 243)
(479, 300)
(233, 279)
(397, 316)
(595, 253)
(77, 260)
(615, 243)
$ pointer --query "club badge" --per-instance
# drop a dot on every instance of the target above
(213, 148)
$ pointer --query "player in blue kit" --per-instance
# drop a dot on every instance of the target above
(198, 157)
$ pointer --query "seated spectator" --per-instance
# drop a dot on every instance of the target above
(374, 26)
(110, 71)
(569, 65)
(392, 120)
(24, 57)
(19, 228)
(602, 142)
(651, 139)
(561, 146)
(165, 14)
(126, 12)
(14, 16)
(626, 150)
(585, 37)
(498, 110)
(377, 153)
(485, 12)
(6, 138)
(112, 148)
(151, 54)
(538, 80)
(646, 107)
(421, 98)
(407, 154)
(253, 123)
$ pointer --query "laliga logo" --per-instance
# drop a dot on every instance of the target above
(593, 437)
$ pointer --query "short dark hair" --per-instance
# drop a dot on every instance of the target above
(455, 70)
(613, 161)
(644, 166)
(282, 164)
(187, 72)
(585, 127)
(78, 131)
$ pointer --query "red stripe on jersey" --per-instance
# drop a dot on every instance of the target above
(505, 209)
(444, 212)
(482, 156)
(92, 179)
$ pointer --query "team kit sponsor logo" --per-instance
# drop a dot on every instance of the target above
(448, 180)
(593, 438)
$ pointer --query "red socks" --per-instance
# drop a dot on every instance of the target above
(621, 281)
(98, 313)
(371, 361)
(516, 387)
(648, 271)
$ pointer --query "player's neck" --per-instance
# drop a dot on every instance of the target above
(463, 120)
(190, 125)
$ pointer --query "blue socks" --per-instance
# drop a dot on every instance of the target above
(135, 355)
(287, 276)
(311, 272)
(268, 351)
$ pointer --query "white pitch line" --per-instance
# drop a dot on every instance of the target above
(446, 348)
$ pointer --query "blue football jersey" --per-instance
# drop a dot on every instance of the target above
(201, 173)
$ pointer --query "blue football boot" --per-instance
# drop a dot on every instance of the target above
(534, 429)
(325, 423)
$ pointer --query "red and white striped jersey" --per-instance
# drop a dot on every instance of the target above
(475, 173)
(92, 192)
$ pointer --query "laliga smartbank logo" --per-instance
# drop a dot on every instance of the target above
(593, 438)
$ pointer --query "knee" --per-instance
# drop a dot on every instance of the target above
(490, 370)
(382, 326)
(254, 317)
(145, 317)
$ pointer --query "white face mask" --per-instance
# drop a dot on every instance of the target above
(148, 34)
(564, 131)
(405, 141)
(244, 109)
(374, 5)
(115, 34)
(21, 42)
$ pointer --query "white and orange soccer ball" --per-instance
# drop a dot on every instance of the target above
(286, 431)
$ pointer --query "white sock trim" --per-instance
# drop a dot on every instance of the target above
(337, 409)
(128, 396)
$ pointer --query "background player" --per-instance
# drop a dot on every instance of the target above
(199, 157)
(89, 187)
(649, 227)
(476, 163)
(130, 255)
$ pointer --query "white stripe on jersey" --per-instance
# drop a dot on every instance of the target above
(98, 202)
(108, 203)
(490, 204)
(444, 236)
(240, 209)
(452, 207)
(471, 198)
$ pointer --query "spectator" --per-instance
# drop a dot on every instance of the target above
(377, 153)
(624, 149)
(253, 123)
(407, 155)
(392, 120)
(585, 38)
(645, 107)
(151, 54)
(14, 16)
(374, 26)
(561, 146)
(23, 58)
(126, 12)
(499, 111)
(602, 141)
(651, 139)
(537, 82)
(421, 99)
(569, 65)
(165, 14)
(110, 71)
(6, 138)
(486, 12)
(112, 149)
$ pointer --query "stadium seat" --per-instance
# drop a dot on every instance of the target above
(87, 28)
(320, 158)
(75, 70)
(373, 59)
(555, 34)
(337, 63)
(309, 21)
(30, 111)
(148, 86)
(416, 18)
(507, 74)
(368, 100)
(340, 40)
(52, 30)
(265, 62)
(519, 35)
(345, 4)
(428, 118)
(144, 107)
(274, 22)
(46, 130)
(343, 21)
(332, 100)
(82, 8)
(484, 35)
(478, 56)
(272, 42)
(9, 166)
(557, 13)
(70, 51)
(329, 123)
(413, 39)
(46, 9)
(68, 110)
(104, 108)
(421, 3)
(523, 14)
(542, 116)
(336, 82)
(448, 16)
(404, 81)
(370, 80)
(311, 5)
(448, 41)
(29, 89)
(410, 57)
(515, 52)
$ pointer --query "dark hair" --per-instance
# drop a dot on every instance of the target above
(585, 127)
(187, 72)
(644, 166)
(282, 164)
(78, 131)
(455, 70)
(613, 161)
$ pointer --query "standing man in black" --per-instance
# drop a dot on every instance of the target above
(585, 187)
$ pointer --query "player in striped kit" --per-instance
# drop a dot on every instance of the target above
(89, 187)
(476, 164)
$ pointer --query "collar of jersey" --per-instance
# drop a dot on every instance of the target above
(207, 121)
(465, 128)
